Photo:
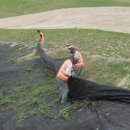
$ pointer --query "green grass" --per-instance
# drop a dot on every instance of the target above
(106, 55)
(68, 109)
(34, 102)
(19, 7)
(4, 101)
(28, 69)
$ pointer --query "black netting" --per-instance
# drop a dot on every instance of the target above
(47, 61)
(83, 89)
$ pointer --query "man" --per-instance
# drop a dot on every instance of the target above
(79, 63)
(41, 37)
(62, 77)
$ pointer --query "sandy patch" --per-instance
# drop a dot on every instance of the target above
(106, 18)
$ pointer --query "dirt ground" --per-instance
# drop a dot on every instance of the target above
(105, 18)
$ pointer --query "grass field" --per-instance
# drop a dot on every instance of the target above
(19, 7)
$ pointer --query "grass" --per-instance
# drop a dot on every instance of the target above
(34, 102)
(66, 111)
(4, 101)
(28, 69)
(106, 55)
(20, 7)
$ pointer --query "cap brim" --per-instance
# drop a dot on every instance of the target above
(69, 47)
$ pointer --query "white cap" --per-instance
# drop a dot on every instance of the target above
(69, 46)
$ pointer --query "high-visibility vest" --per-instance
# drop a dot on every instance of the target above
(80, 63)
(41, 38)
(62, 72)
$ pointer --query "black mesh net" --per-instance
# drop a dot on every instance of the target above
(47, 61)
(83, 89)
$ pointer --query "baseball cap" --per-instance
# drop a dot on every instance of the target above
(69, 46)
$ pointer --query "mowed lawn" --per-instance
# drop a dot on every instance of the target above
(20, 7)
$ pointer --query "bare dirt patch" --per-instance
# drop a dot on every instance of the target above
(124, 81)
(106, 18)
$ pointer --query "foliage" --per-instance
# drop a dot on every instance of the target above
(28, 69)
(4, 101)
(69, 108)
